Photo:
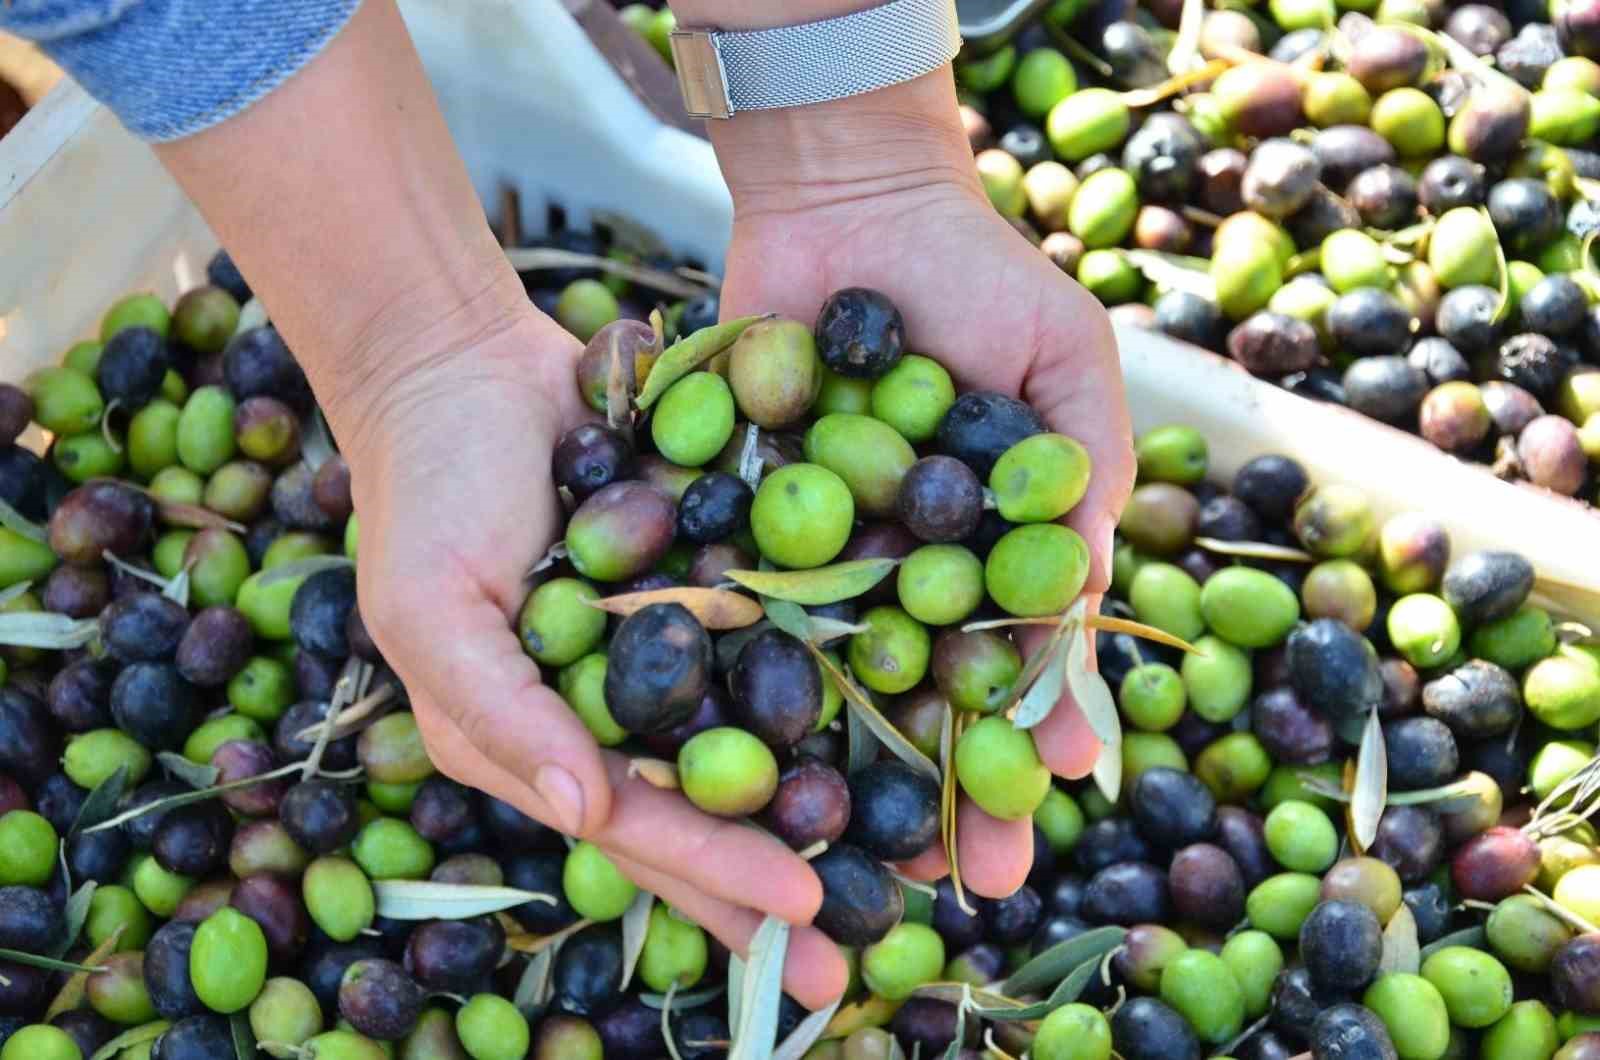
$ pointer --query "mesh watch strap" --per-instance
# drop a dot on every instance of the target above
(722, 73)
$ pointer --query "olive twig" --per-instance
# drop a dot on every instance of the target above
(1560, 910)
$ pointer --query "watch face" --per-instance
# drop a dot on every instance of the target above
(988, 24)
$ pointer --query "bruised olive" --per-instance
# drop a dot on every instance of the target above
(1534, 362)
(1476, 699)
(634, 342)
(859, 333)
(658, 666)
(1273, 344)
(98, 517)
(1451, 181)
(1279, 178)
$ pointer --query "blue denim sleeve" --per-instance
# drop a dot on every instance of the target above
(169, 68)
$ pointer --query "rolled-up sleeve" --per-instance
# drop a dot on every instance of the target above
(169, 68)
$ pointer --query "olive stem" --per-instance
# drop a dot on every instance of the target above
(1560, 910)
(1243, 1036)
(815, 850)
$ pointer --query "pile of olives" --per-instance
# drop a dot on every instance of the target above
(1379, 203)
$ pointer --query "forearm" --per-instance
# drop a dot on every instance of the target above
(343, 200)
(880, 142)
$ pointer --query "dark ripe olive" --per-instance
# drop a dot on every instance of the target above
(1386, 196)
(940, 499)
(1109, 841)
(1269, 1045)
(132, 366)
(1274, 344)
(1577, 26)
(1483, 586)
(540, 873)
(860, 333)
(361, 643)
(166, 971)
(1451, 181)
(1158, 228)
(513, 829)
(1064, 897)
(629, 1027)
(1260, 99)
(80, 695)
(1129, 892)
(826, 746)
(1350, 1032)
(981, 425)
(378, 999)
(1481, 28)
(260, 537)
(141, 830)
(1368, 321)
(1490, 124)
(320, 815)
(693, 1030)
(1389, 389)
(77, 592)
(194, 840)
(1555, 306)
(960, 929)
(325, 966)
(1510, 407)
(632, 338)
(710, 713)
(16, 412)
(1345, 150)
(88, 1029)
(216, 646)
(58, 800)
(715, 506)
(1221, 176)
(154, 704)
(1027, 144)
(1552, 456)
(1401, 687)
(708, 568)
(1323, 214)
(29, 920)
(1476, 699)
(776, 689)
(24, 989)
(256, 361)
(1290, 730)
(1279, 178)
(1438, 361)
(238, 759)
(286, 739)
(330, 489)
(860, 899)
(984, 962)
(591, 456)
(1411, 840)
(1207, 886)
(316, 676)
(658, 668)
(924, 1025)
(812, 804)
(1422, 753)
(1242, 834)
(1012, 921)
(1431, 908)
(442, 808)
(1146, 1029)
(1525, 213)
(1388, 57)
(1341, 943)
(621, 531)
(588, 972)
(1191, 318)
(274, 904)
(144, 627)
(1534, 362)
(1334, 667)
(1173, 808)
(26, 482)
(1466, 318)
(1271, 485)
(1575, 975)
(1495, 864)
(98, 517)
(197, 1037)
(294, 502)
(321, 607)
(1199, 564)
(1161, 156)
(12, 797)
(1136, 60)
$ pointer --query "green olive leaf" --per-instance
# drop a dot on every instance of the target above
(12, 592)
(536, 985)
(760, 993)
(819, 585)
(1107, 772)
(1041, 699)
(244, 1039)
(177, 590)
(687, 354)
(881, 727)
(21, 525)
(149, 1032)
(101, 802)
(635, 927)
(46, 629)
(316, 441)
(1057, 962)
(191, 773)
(1472, 937)
(685, 1002)
(34, 960)
(789, 617)
(1401, 951)
(431, 900)
(172, 802)
(666, 1021)
(960, 1040)
(75, 916)
(1371, 786)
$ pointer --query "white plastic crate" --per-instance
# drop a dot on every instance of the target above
(87, 215)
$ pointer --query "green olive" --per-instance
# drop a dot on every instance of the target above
(1040, 479)
(1165, 596)
(136, 311)
(999, 768)
(868, 455)
(940, 585)
(1103, 208)
(1410, 120)
(802, 515)
(892, 654)
(1413, 1011)
(912, 397)
(29, 843)
(694, 419)
(675, 951)
(1037, 569)
(339, 897)
(1461, 248)
(1247, 607)
(558, 625)
(594, 886)
(1089, 120)
(1043, 78)
(728, 772)
(1352, 259)
(228, 961)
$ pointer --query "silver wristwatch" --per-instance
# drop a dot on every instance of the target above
(721, 73)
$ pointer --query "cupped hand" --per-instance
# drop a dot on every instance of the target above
(451, 477)
(1000, 316)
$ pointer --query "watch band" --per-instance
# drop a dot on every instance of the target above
(721, 73)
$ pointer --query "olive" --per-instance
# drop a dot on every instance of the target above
(1350, 1032)
(1555, 306)
(1552, 455)
(320, 815)
(1109, 841)
(1144, 1028)
(1207, 886)
(621, 531)
(1221, 175)
(860, 899)
(1511, 408)
(1290, 730)
(1490, 125)
(1451, 181)
(257, 362)
(590, 457)
(981, 425)
(859, 333)
(1476, 699)
(588, 972)
(1279, 178)
(940, 499)
(98, 517)
(634, 341)
(1421, 751)
(1274, 344)
(1128, 892)
(1172, 808)
(658, 665)
(1385, 196)
(1160, 518)
(1454, 417)
(1026, 144)
(1334, 667)
(1259, 99)
(1192, 318)
(1410, 840)
(194, 1037)
(1162, 156)
(1534, 362)
(1484, 586)
(1271, 485)
(1346, 150)
(1012, 921)
(812, 804)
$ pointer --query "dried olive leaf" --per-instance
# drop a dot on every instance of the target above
(244, 1039)
(191, 773)
(75, 915)
(750, 457)
(35, 960)
(803, 1037)
(535, 944)
(687, 354)
(881, 727)
(1057, 962)
(101, 802)
(1112, 624)
(21, 525)
(1254, 550)
(1401, 952)
(193, 517)
(657, 772)
(1454, 797)
(1472, 937)
(716, 609)
(635, 926)
(303, 568)
(760, 993)
(819, 585)
(1149, 97)
(149, 1032)
(430, 900)
(1371, 785)
(46, 629)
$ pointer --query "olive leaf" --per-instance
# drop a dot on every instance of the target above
(431, 900)
(657, 772)
(1060, 960)
(819, 585)
(46, 629)
(1038, 702)
(1502, 307)
(1254, 550)
(960, 1040)
(244, 1039)
(356, 673)
(302, 568)
(684, 1002)
(1186, 49)
(953, 993)
(13, 592)
(21, 525)
(35, 960)
(716, 609)
(1449, 798)
(863, 746)
(687, 354)
(191, 773)
(536, 985)
(635, 927)
(148, 1032)
(750, 457)
(74, 916)
(1401, 952)
(541, 259)
(1175, 271)
(1107, 771)
(172, 802)
(1113, 624)
(787, 616)
(316, 441)
(1371, 785)
(619, 389)
(253, 314)
(881, 727)
(177, 590)
(101, 802)
(553, 555)
(192, 516)
(949, 802)
(1472, 937)
(803, 1037)
(760, 993)
(823, 629)
(666, 1021)
(535, 944)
